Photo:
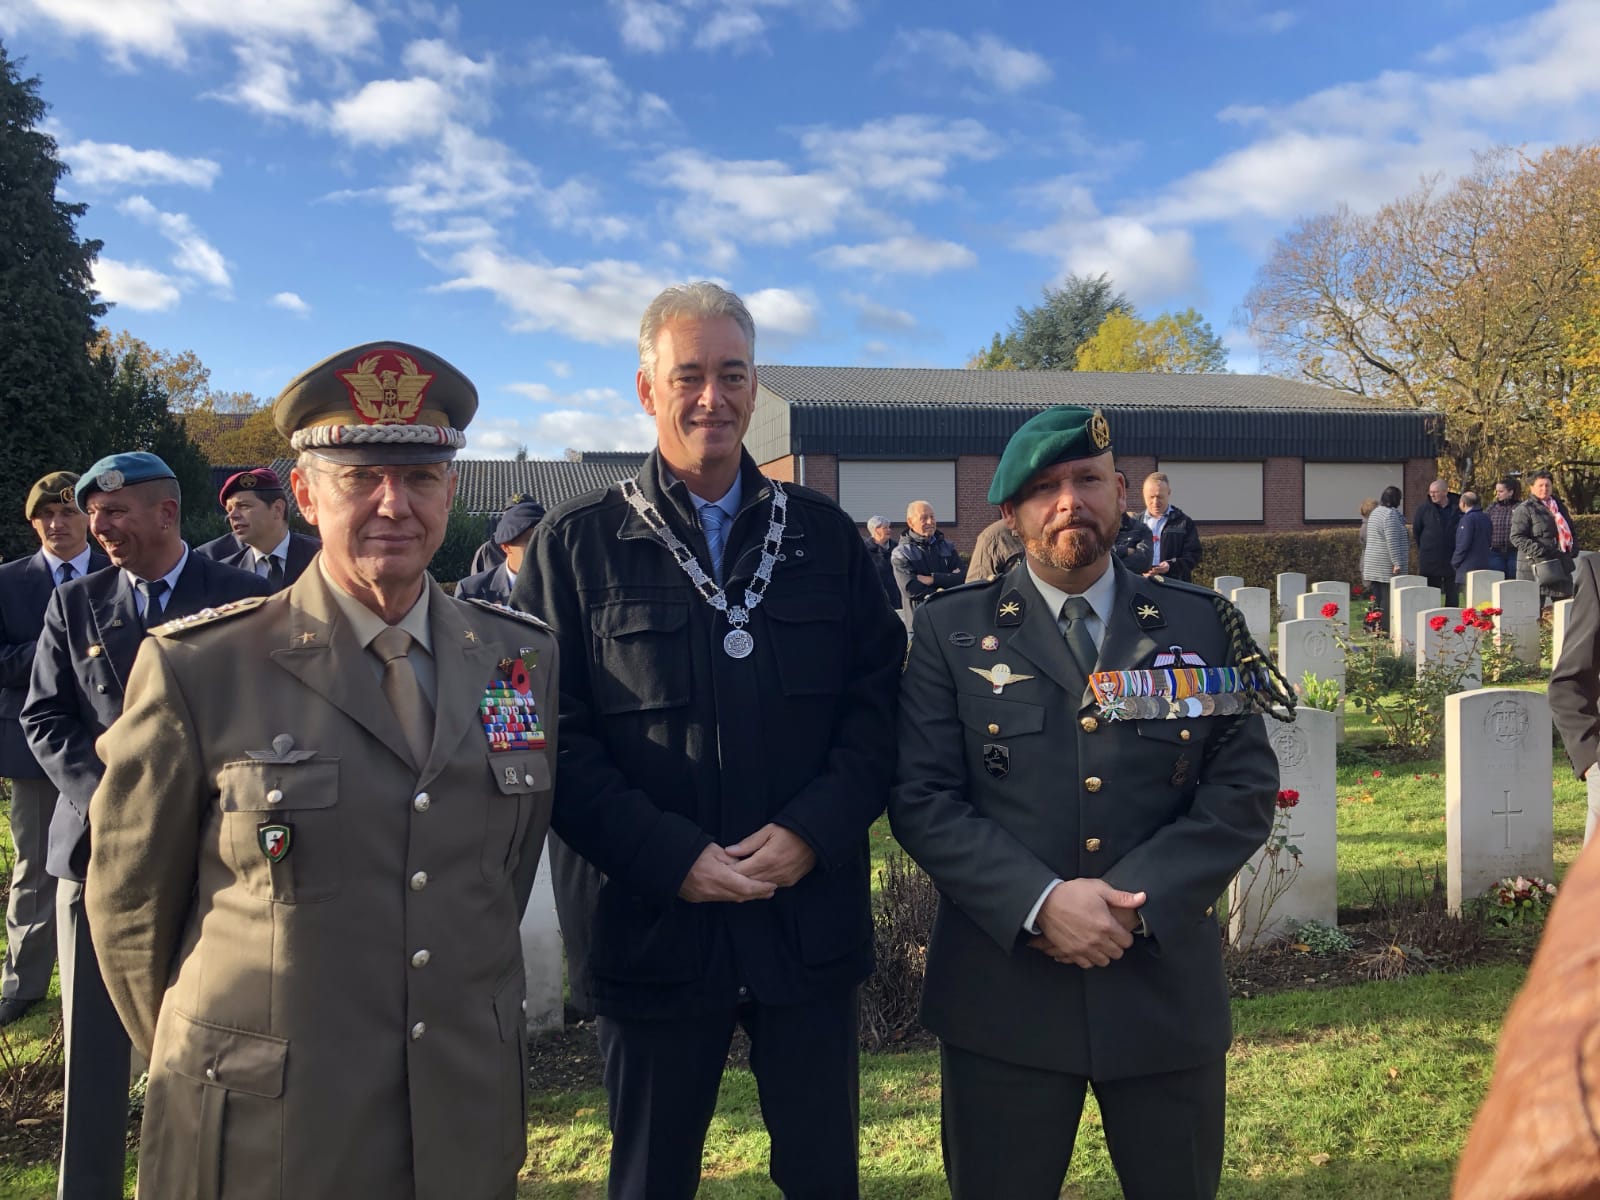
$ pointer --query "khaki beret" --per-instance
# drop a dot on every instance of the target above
(54, 488)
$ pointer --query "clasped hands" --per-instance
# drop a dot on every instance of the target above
(1086, 922)
(751, 869)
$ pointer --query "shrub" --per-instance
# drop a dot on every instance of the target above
(902, 922)
(462, 536)
(1258, 558)
(1322, 939)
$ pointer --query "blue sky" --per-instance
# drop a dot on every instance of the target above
(509, 183)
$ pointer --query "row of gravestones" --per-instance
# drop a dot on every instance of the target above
(1498, 808)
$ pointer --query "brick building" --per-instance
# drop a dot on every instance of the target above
(1244, 452)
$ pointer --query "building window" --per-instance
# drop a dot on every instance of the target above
(1214, 491)
(870, 487)
(1334, 491)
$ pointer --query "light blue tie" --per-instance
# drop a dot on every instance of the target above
(711, 520)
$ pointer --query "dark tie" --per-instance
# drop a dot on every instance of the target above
(66, 573)
(711, 520)
(152, 590)
(1075, 614)
(274, 572)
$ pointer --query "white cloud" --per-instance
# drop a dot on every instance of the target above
(754, 201)
(599, 302)
(1148, 264)
(656, 26)
(558, 368)
(386, 112)
(135, 287)
(647, 25)
(879, 318)
(532, 391)
(290, 302)
(780, 313)
(912, 255)
(266, 84)
(195, 255)
(163, 28)
(112, 164)
(995, 62)
(906, 155)
(585, 91)
(595, 419)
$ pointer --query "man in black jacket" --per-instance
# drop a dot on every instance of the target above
(925, 562)
(729, 672)
(1174, 540)
(881, 543)
(1433, 528)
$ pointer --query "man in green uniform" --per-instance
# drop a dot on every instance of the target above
(1081, 772)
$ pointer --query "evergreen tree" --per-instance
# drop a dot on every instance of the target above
(47, 310)
(1047, 336)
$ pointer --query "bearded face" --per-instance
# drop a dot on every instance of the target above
(1068, 514)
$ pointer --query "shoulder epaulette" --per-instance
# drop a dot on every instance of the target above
(505, 610)
(972, 585)
(207, 616)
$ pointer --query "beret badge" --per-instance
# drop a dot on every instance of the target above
(110, 481)
(247, 481)
(1099, 431)
(67, 497)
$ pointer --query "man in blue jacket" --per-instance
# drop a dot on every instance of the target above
(1474, 541)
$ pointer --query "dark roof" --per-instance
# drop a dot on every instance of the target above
(893, 412)
(487, 483)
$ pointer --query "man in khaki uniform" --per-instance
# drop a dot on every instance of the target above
(318, 827)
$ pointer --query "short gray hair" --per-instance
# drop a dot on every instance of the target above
(877, 522)
(696, 301)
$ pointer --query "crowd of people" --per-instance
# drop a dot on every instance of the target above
(278, 803)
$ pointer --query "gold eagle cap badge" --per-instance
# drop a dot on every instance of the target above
(1099, 431)
(386, 392)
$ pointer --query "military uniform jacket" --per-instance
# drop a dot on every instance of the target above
(997, 795)
(668, 744)
(345, 1020)
(493, 584)
(230, 550)
(85, 654)
(25, 587)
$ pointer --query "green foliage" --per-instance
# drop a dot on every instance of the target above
(1258, 558)
(47, 309)
(1323, 939)
(462, 537)
(1047, 336)
(1173, 343)
(1316, 692)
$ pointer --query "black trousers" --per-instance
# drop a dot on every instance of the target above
(576, 885)
(1446, 584)
(1008, 1130)
(662, 1079)
(94, 1117)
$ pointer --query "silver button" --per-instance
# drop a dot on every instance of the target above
(420, 958)
(421, 802)
(101, 688)
(528, 779)
(524, 1006)
(418, 1030)
(274, 797)
(744, 991)
(211, 1074)
(419, 881)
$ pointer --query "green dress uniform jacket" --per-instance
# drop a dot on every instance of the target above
(997, 795)
(345, 1019)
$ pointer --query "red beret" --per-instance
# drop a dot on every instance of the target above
(261, 479)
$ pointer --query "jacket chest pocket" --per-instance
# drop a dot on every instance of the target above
(281, 828)
(811, 636)
(522, 790)
(641, 655)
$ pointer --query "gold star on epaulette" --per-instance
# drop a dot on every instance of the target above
(1149, 612)
(471, 637)
(1010, 609)
(306, 638)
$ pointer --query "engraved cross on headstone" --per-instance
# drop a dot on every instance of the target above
(1507, 813)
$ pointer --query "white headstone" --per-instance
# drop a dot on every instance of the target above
(1404, 605)
(1306, 764)
(1444, 647)
(1558, 629)
(1309, 646)
(1498, 797)
(1224, 584)
(1311, 604)
(1396, 582)
(1480, 587)
(1291, 586)
(1331, 585)
(1517, 626)
(541, 954)
(1255, 606)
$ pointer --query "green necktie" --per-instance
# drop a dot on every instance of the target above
(1075, 614)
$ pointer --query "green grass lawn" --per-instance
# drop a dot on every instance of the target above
(1359, 1091)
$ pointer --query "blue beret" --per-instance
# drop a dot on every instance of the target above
(119, 471)
(523, 515)
(1055, 435)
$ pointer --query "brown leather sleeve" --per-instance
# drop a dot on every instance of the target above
(1537, 1136)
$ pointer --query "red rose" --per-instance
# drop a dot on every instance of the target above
(1288, 798)
(1461, 629)
(1439, 622)
(1377, 774)
(1330, 610)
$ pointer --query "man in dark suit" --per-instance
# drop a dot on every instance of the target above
(1434, 529)
(1175, 548)
(1474, 541)
(511, 535)
(1075, 944)
(93, 627)
(1575, 686)
(728, 676)
(261, 542)
(25, 588)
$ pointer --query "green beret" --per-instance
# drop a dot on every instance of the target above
(1055, 435)
(54, 488)
(378, 403)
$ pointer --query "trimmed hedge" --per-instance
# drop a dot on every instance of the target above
(1258, 558)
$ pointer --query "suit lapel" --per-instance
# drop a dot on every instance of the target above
(189, 593)
(324, 655)
(116, 620)
(464, 665)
